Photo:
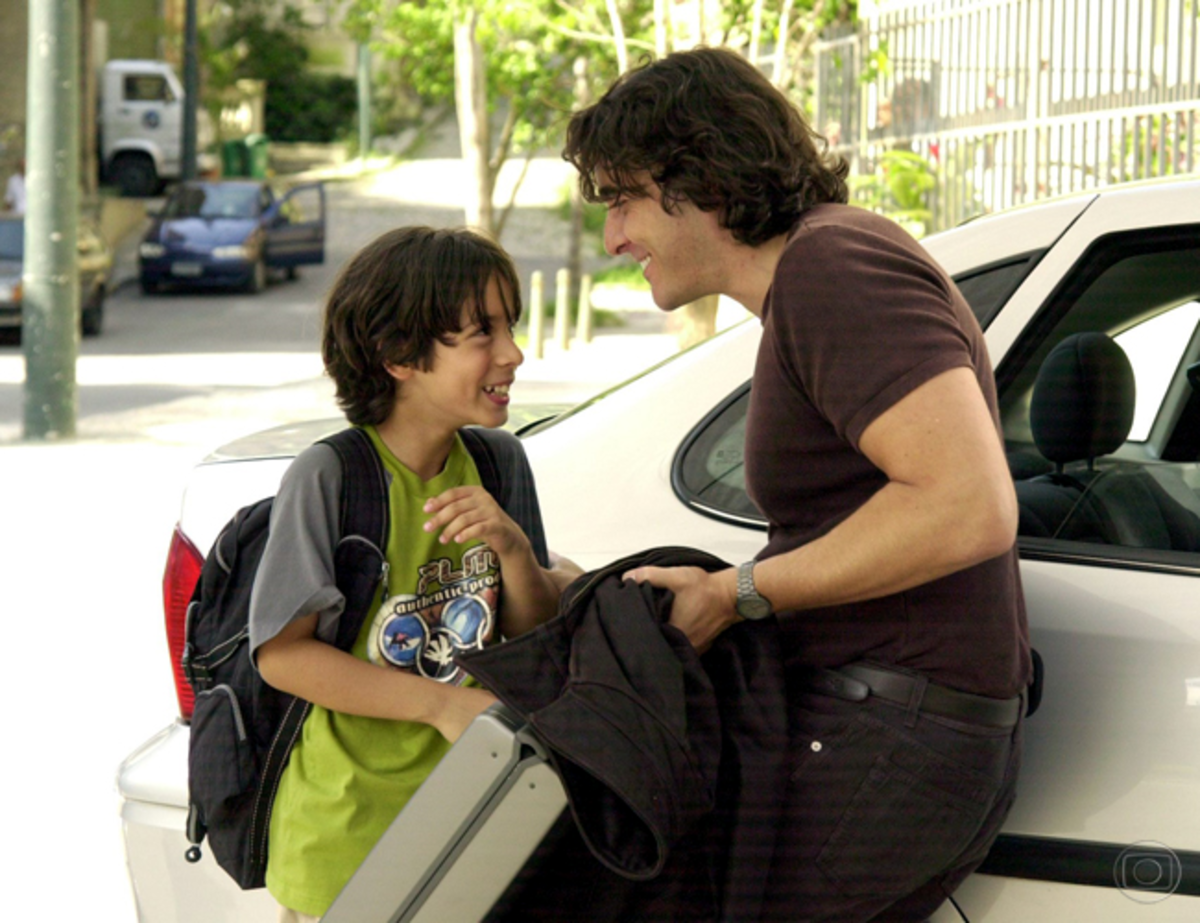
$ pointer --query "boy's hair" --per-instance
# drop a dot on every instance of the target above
(710, 129)
(399, 295)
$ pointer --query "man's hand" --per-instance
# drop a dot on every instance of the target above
(464, 514)
(705, 604)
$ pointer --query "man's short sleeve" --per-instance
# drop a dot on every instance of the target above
(296, 575)
(863, 317)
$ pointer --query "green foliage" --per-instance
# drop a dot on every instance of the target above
(252, 39)
(1153, 142)
(594, 213)
(260, 40)
(311, 107)
(528, 50)
(876, 65)
(601, 317)
(625, 273)
(899, 188)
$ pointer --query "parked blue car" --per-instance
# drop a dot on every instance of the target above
(230, 233)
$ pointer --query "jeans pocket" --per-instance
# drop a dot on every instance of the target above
(900, 828)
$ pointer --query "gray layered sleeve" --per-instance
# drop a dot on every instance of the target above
(296, 576)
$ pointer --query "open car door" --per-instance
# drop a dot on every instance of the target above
(295, 228)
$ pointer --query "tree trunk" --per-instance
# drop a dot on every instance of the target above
(575, 238)
(470, 95)
(614, 18)
(755, 32)
(780, 75)
(660, 28)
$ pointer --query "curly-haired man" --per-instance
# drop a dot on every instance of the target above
(873, 449)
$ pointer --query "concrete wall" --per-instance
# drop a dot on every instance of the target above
(14, 37)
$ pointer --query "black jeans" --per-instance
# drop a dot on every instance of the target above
(882, 820)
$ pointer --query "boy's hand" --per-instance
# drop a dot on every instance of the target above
(464, 514)
(461, 707)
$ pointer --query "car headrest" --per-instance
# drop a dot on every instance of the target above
(1083, 399)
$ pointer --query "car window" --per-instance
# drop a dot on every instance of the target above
(709, 474)
(302, 205)
(145, 88)
(1155, 349)
(987, 289)
(12, 240)
(214, 201)
(1100, 417)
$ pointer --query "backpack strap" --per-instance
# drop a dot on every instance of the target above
(365, 512)
(364, 506)
(506, 475)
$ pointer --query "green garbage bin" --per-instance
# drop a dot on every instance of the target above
(233, 158)
(256, 156)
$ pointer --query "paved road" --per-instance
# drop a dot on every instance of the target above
(86, 524)
(221, 364)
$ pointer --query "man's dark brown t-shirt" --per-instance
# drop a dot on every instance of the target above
(858, 316)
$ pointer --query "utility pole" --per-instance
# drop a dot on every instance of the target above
(50, 282)
(191, 92)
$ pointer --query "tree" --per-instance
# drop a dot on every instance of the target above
(264, 40)
(523, 68)
(507, 72)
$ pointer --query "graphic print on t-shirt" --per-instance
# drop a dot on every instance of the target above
(452, 610)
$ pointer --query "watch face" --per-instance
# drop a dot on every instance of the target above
(754, 607)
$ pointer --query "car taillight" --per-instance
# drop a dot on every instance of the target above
(179, 580)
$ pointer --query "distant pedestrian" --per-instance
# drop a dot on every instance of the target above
(14, 192)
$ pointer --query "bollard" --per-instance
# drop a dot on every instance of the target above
(537, 313)
(562, 309)
(583, 325)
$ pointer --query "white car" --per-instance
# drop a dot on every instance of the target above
(1107, 823)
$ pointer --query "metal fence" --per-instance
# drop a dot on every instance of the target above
(1014, 100)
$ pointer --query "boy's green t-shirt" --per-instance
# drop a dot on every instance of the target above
(349, 776)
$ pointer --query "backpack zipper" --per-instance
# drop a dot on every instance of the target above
(238, 721)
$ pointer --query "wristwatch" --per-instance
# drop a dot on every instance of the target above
(750, 603)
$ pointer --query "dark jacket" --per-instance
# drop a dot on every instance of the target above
(672, 763)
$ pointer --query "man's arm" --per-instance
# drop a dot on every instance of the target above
(949, 504)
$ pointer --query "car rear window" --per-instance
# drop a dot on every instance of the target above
(709, 473)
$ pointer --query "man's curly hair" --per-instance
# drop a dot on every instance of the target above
(710, 129)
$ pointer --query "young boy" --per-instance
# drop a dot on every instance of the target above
(418, 339)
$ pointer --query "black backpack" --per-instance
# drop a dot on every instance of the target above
(242, 729)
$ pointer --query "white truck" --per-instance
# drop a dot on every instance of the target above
(141, 126)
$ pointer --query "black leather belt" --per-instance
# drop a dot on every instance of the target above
(855, 681)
